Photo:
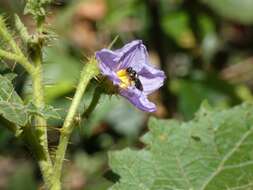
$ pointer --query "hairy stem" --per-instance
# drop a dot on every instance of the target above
(17, 54)
(31, 138)
(40, 123)
(7, 37)
(21, 59)
(89, 71)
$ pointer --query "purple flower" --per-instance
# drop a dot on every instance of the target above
(133, 86)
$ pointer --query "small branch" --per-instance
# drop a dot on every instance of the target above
(89, 71)
(93, 104)
(21, 59)
(18, 55)
(6, 35)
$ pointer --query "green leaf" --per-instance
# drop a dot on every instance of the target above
(237, 10)
(7, 92)
(47, 112)
(211, 152)
(14, 110)
(35, 7)
(11, 105)
(22, 30)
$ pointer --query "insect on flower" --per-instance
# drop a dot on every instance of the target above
(134, 77)
(130, 70)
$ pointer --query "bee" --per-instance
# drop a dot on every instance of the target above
(135, 78)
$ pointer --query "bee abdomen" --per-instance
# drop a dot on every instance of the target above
(138, 84)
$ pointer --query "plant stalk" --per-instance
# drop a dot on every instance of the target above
(17, 54)
(93, 103)
(89, 71)
(21, 59)
(40, 123)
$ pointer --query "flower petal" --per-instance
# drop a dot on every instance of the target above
(108, 59)
(138, 99)
(134, 57)
(151, 79)
(128, 47)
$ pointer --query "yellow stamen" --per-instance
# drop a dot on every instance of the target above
(124, 78)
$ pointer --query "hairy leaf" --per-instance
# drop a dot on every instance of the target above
(14, 110)
(36, 7)
(46, 112)
(11, 105)
(211, 152)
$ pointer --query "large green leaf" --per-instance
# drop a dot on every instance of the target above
(238, 10)
(212, 152)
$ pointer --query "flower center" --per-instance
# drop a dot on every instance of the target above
(124, 78)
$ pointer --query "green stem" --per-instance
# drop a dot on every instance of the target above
(6, 35)
(31, 138)
(17, 54)
(40, 123)
(21, 59)
(89, 71)
(38, 98)
(93, 104)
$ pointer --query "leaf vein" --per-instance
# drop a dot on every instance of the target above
(225, 158)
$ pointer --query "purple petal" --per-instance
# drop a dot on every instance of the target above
(132, 54)
(134, 57)
(138, 99)
(128, 47)
(151, 79)
(108, 61)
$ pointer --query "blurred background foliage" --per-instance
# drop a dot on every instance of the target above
(204, 47)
